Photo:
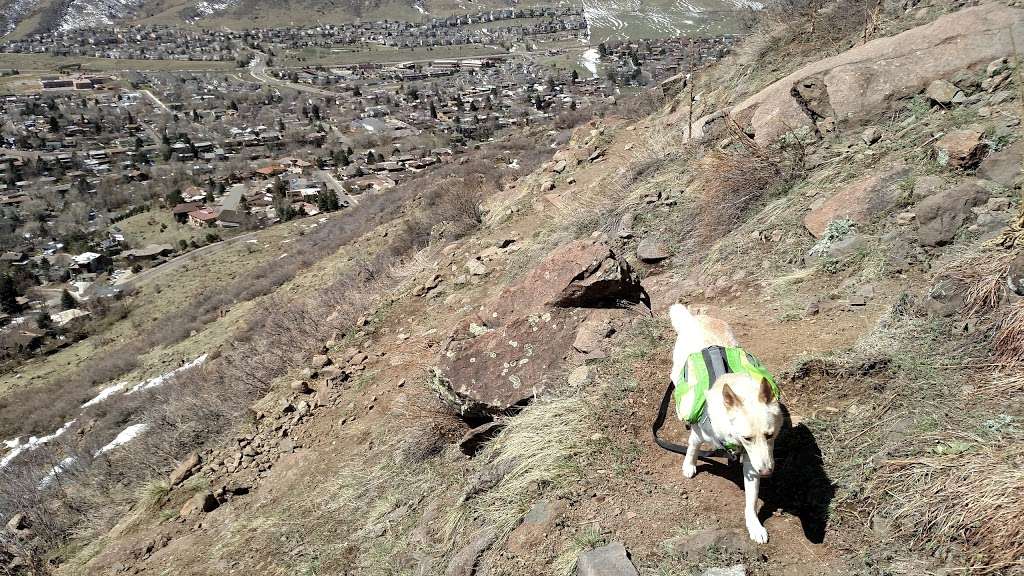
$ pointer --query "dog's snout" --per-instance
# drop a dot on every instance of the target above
(765, 472)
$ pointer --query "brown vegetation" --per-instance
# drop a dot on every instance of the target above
(729, 184)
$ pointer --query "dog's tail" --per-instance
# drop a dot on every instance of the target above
(683, 320)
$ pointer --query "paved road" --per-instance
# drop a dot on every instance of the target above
(20, 153)
(156, 101)
(175, 263)
(258, 69)
(336, 186)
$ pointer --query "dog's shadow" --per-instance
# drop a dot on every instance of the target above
(799, 485)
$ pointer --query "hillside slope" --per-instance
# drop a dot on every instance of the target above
(479, 401)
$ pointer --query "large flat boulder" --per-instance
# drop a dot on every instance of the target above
(860, 201)
(861, 83)
(584, 273)
(495, 370)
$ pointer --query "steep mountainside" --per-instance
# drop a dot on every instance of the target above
(477, 398)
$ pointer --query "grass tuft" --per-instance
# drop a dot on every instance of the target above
(537, 448)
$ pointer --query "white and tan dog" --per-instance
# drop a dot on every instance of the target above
(740, 410)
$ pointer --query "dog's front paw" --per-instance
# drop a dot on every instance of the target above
(757, 533)
(689, 470)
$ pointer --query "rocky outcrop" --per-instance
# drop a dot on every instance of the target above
(200, 503)
(652, 250)
(960, 149)
(860, 201)
(859, 84)
(528, 338)
(585, 273)
(500, 368)
(1003, 166)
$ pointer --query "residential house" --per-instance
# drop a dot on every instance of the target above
(202, 218)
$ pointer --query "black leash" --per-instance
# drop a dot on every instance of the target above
(679, 448)
(660, 421)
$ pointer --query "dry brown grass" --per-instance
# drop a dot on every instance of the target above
(1008, 343)
(966, 505)
(983, 277)
(538, 447)
(729, 184)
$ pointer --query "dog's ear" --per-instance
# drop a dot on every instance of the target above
(765, 394)
(729, 397)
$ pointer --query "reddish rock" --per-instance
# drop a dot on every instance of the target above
(593, 333)
(859, 201)
(1004, 166)
(184, 469)
(500, 368)
(585, 273)
(199, 504)
(960, 149)
(859, 84)
(941, 215)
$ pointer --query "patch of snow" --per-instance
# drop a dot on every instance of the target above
(32, 443)
(589, 60)
(105, 393)
(124, 437)
(161, 379)
(61, 466)
(210, 7)
(96, 13)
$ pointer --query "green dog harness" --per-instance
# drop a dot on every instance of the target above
(690, 393)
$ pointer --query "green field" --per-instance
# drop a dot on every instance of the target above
(159, 227)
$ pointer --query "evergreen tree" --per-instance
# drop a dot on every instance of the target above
(279, 187)
(67, 301)
(8, 295)
(174, 197)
